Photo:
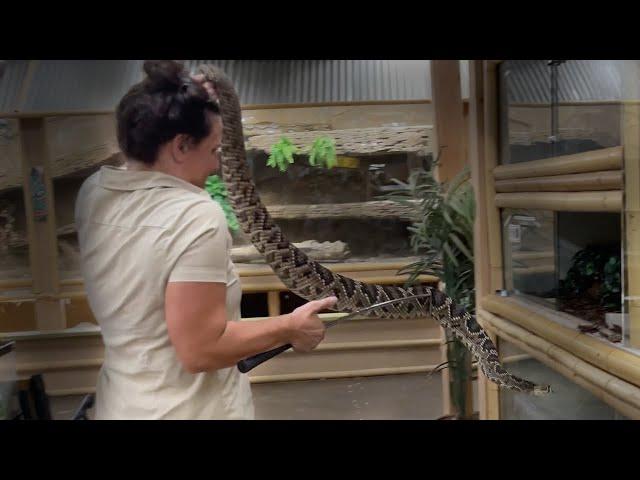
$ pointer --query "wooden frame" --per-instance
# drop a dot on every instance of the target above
(546, 324)
(592, 161)
(602, 201)
(482, 271)
(43, 253)
(449, 142)
(591, 181)
(621, 395)
(483, 157)
(631, 140)
(449, 147)
(604, 180)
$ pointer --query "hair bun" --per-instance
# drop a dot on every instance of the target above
(164, 74)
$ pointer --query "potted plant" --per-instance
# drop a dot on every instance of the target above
(442, 236)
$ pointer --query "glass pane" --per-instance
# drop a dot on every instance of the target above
(15, 266)
(570, 259)
(529, 252)
(78, 146)
(338, 214)
(568, 400)
(587, 105)
(66, 191)
(589, 266)
(525, 111)
(14, 244)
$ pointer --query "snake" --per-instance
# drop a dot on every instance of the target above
(312, 281)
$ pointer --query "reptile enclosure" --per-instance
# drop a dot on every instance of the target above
(555, 164)
(336, 216)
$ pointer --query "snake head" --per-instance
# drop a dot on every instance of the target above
(541, 390)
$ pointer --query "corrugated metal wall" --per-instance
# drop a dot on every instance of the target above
(98, 84)
(578, 80)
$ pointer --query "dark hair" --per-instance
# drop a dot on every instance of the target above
(165, 104)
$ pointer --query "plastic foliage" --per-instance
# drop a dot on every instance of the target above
(323, 153)
(282, 154)
(218, 191)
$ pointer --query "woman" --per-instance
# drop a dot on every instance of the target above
(155, 253)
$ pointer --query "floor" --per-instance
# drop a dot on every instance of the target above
(388, 397)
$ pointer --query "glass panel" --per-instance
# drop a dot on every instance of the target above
(334, 214)
(8, 379)
(570, 259)
(78, 147)
(66, 190)
(15, 265)
(14, 244)
(525, 111)
(589, 267)
(529, 252)
(568, 400)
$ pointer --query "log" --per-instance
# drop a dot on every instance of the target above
(592, 161)
(356, 141)
(76, 145)
(608, 180)
(548, 325)
(621, 395)
(364, 210)
(319, 251)
(604, 201)
(272, 128)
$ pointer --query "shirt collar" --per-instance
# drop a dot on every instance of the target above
(118, 178)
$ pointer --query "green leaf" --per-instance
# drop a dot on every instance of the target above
(323, 153)
(450, 255)
(281, 154)
(461, 246)
(218, 192)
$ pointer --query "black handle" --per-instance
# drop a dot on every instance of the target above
(252, 362)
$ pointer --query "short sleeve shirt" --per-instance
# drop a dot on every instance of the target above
(139, 230)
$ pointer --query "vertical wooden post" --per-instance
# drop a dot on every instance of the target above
(273, 300)
(631, 149)
(449, 141)
(491, 139)
(482, 274)
(41, 224)
(447, 407)
(483, 157)
(449, 146)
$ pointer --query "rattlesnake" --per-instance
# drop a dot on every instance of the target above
(312, 281)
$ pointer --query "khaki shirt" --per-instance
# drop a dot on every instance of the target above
(139, 230)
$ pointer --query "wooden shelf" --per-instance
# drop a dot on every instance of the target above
(361, 210)
(356, 141)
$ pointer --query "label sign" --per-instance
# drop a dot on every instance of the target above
(514, 233)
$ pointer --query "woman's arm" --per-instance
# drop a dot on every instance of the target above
(204, 340)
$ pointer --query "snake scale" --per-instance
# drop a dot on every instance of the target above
(312, 281)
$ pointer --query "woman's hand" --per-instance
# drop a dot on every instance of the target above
(307, 330)
(200, 78)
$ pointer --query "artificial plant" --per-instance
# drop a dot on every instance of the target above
(322, 153)
(282, 154)
(595, 272)
(442, 236)
(218, 191)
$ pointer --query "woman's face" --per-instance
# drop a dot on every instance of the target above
(203, 159)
